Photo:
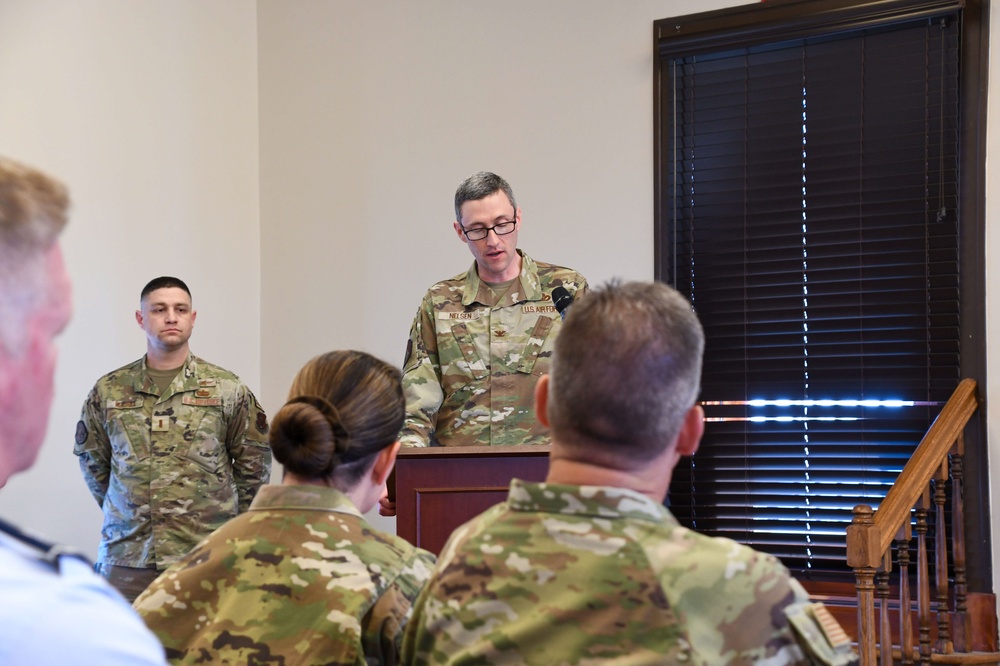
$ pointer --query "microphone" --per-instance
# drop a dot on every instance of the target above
(562, 299)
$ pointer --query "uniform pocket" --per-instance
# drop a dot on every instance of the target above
(204, 426)
(537, 346)
(128, 430)
(460, 361)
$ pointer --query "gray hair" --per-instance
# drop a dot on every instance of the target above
(33, 210)
(625, 371)
(479, 186)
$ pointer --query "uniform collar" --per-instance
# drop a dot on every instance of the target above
(188, 378)
(593, 501)
(310, 498)
(529, 288)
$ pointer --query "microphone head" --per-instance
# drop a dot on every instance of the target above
(562, 299)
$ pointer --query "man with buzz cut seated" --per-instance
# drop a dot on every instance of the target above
(589, 566)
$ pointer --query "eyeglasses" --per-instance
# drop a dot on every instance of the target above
(500, 229)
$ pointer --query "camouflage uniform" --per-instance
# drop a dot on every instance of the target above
(299, 579)
(584, 574)
(167, 470)
(472, 362)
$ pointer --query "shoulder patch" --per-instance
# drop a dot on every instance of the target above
(409, 352)
(81, 432)
(261, 423)
(819, 635)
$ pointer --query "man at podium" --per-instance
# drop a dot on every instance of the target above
(481, 339)
(589, 566)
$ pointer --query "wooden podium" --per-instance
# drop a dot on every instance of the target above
(439, 488)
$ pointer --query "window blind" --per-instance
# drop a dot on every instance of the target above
(809, 193)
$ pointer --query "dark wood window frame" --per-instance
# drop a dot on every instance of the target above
(782, 20)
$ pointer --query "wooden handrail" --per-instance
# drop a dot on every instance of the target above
(871, 534)
(870, 541)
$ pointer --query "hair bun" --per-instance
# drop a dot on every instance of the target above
(332, 416)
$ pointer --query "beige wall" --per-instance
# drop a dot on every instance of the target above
(148, 110)
(372, 113)
(993, 284)
(369, 116)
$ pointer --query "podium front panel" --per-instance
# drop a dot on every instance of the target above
(439, 488)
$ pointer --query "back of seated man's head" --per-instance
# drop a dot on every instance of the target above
(625, 371)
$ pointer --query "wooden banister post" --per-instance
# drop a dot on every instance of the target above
(885, 624)
(943, 643)
(961, 628)
(905, 619)
(863, 557)
(923, 582)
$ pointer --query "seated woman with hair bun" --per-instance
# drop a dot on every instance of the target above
(302, 578)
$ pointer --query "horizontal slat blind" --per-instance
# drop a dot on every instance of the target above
(811, 188)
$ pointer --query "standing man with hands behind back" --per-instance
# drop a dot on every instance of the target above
(170, 446)
(482, 339)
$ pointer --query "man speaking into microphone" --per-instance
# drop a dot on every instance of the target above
(481, 339)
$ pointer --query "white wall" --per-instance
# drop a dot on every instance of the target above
(993, 284)
(148, 111)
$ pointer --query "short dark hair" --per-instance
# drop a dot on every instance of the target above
(479, 186)
(163, 282)
(626, 368)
